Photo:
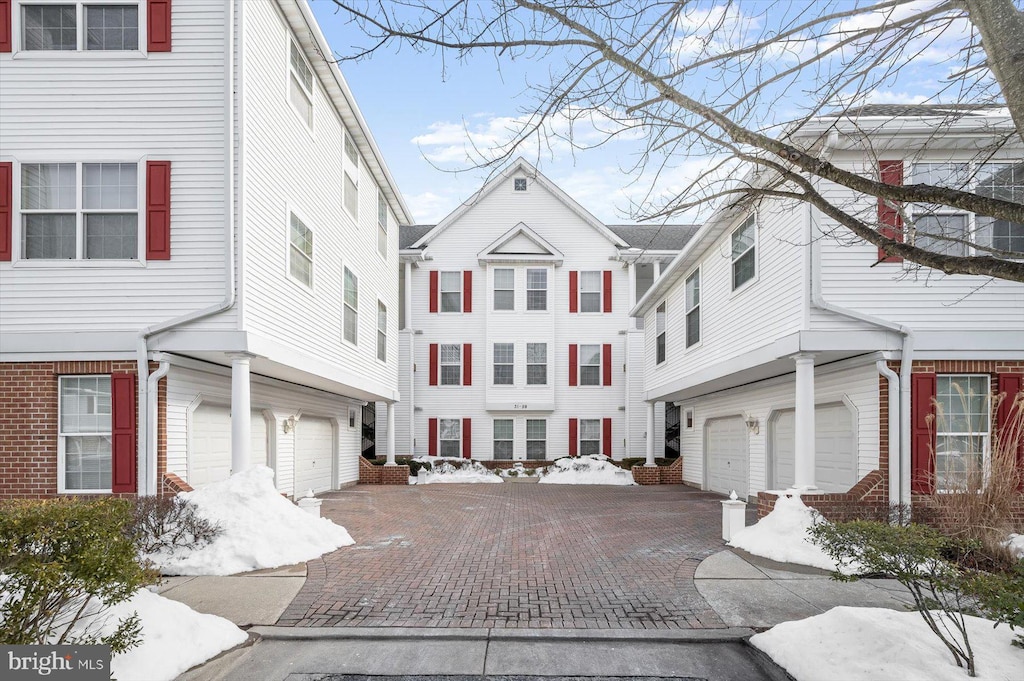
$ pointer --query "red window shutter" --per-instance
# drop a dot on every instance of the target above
(433, 364)
(467, 364)
(467, 438)
(922, 433)
(6, 209)
(158, 25)
(432, 436)
(607, 291)
(889, 219)
(122, 421)
(5, 26)
(606, 436)
(574, 430)
(573, 364)
(574, 291)
(606, 364)
(1011, 386)
(158, 210)
(434, 291)
(467, 291)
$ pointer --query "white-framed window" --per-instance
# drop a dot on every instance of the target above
(659, 327)
(504, 289)
(536, 364)
(590, 436)
(519, 184)
(688, 418)
(504, 363)
(76, 26)
(962, 428)
(590, 365)
(382, 224)
(536, 289)
(536, 439)
(590, 291)
(451, 364)
(503, 430)
(350, 303)
(351, 196)
(933, 226)
(80, 211)
(350, 148)
(382, 332)
(451, 291)
(744, 253)
(300, 84)
(300, 251)
(85, 438)
(693, 309)
(450, 436)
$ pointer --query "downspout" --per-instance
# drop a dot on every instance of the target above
(147, 384)
(152, 405)
(895, 490)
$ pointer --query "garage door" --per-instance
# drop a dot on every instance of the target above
(314, 454)
(835, 459)
(210, 456)
(727, 455)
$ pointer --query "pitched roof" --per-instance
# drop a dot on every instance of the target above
(918, 110)
(648, 237)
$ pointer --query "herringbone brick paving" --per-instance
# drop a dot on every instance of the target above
(514, 555)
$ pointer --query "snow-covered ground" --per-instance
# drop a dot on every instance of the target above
(586, 470)
(877, 643)
(1015, 542)
(782, 535)
(454, 470)
(260, 529)
(518, 470)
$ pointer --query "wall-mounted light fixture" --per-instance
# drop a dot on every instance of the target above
(753, 426)
(288, 425)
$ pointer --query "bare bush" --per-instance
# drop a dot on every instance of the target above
(168, 523)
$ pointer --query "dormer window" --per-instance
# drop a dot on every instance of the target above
(519, 184)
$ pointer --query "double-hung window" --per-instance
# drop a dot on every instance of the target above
(300, 251)
(590, 291)
(80, 26)
(693, 309)
(504, 289)
(80, 211)
(450, 437)
(744, 253)
(962, 429)
(300, 84)
(536, 439)
(382, 332)
(382, 224)
(536, 289)
(351, 150)
(85, 436)
(351, 196)
(590, 436)
(351, 307)
(451, 364)
(503, 439)
(504, 363)
(451, 291)
(660, 329)
(590, 365)
(536, 364)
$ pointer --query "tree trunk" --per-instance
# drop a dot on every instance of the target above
(1002, 36)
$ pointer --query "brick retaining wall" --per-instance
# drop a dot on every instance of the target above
(382, 475)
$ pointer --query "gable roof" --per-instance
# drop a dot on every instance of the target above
(520, 165)
(520, 244)
(655, 237)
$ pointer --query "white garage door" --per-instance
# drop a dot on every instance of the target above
(210, 456)
(314, 454)
(727, 455)
(835, 460)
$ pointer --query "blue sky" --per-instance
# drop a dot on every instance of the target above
(420, 107)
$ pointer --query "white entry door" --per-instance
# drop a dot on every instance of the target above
(314, 455)
(210, 454)
(835, 467)
(728, 456)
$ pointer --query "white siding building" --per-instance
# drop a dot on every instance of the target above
(198, 241)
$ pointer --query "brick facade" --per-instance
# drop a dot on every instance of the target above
(660, 475)
(28, 423)
(868, 496)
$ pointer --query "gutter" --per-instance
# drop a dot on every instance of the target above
(147, 444)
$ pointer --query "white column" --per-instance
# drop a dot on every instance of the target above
(241, 410)
(650, 435)
(407, 322)
(391, 434)
(632, 292)
(803, 477)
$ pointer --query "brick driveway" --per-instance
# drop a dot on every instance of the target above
(514, 555)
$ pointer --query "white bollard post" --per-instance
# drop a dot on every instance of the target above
(734, 516)
(310, 504)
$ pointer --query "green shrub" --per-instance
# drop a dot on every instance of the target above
(169, 523)
(629, 462)
(62, 559)
(1000, 596)
(414, 466)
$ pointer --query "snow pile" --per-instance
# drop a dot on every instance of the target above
(877, 643)
(586, 470)
(1015, 542)
(175, 637)
(782, 535)
(518, 470)
(259, 529)
(455, 470)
